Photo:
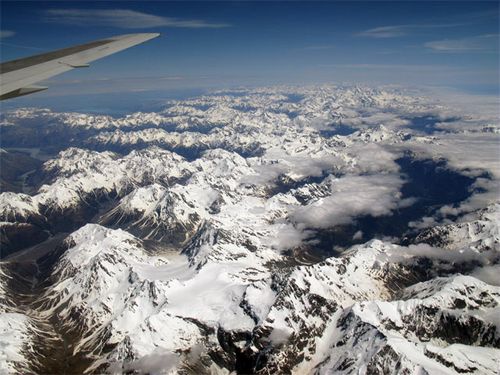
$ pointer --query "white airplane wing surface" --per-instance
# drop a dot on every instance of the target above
(17, 77)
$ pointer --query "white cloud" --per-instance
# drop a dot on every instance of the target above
(424, 222)
(374, 117)
(483, 108)
(488, 274)
(385, 31)
(358, 235)
(489, 193)
(287, 236)
(481, 43)
(353, 196)
(471, 153)
(394, 31)
(402, 254)
(159, 361)
(6, 34)
(372, 158)
(295, 167)
(121, 18)
(363, 158)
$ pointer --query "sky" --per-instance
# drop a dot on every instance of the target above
(227, 44)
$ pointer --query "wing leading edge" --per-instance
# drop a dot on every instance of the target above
(17, 77)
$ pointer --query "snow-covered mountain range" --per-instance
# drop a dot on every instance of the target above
(328, 230)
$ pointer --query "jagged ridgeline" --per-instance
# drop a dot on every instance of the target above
(288, 230)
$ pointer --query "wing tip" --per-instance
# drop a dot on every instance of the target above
(149, 35)
(144, 36)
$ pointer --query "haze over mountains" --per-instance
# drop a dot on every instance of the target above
(324, 229)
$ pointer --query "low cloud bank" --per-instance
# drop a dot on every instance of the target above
(353, 196)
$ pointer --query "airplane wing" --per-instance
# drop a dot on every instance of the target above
(17, 77)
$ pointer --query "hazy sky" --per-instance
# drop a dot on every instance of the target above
(221, 44)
